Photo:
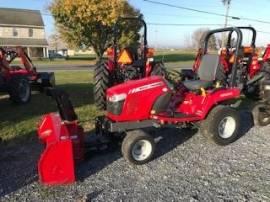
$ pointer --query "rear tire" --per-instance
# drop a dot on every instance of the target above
(222, 125)
(102, 83)
(19, 89)
(138, 147)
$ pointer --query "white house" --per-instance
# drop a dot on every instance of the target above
(21, 27)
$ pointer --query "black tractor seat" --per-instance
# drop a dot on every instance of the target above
(138, 63)
(210, 70)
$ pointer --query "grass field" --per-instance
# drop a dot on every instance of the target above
(174, 58)
(91, 59)
(18, 123)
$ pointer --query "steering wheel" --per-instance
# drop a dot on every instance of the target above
(11, 55)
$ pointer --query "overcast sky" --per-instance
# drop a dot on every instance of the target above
(167, 36)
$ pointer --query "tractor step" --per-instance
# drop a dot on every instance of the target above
(175, 118)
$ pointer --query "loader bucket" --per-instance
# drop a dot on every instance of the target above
(63, 148)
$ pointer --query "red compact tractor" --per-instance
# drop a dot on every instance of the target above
(249, 65)
(123, 65)
(18, 81)
(205, 103)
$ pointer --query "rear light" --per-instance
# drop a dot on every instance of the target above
(248, 50)
(150, 52)
(110, 52)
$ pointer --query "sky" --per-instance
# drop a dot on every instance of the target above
(178, 36)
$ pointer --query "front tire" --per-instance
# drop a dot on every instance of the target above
(19, 89)
(138, 147)
(222, 125)
(102, 83)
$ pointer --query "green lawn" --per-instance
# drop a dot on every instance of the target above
(18, 123)
(90, 59)
(176, 59)
(171, 58)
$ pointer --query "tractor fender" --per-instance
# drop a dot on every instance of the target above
(266, 55)
(217, 97)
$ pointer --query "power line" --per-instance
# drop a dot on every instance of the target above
(206, 12)
(173, 15)
(175, 24)
(182, 25)
(263, 32)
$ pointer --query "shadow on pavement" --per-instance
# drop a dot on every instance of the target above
(18, 163)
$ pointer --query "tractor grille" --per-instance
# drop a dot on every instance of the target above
(115, 107)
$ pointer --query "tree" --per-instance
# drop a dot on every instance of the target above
(54, 41)
(89, 23)
(198, 37)
(187, 41)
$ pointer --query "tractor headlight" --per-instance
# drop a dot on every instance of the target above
(115, 103)
(117, 98)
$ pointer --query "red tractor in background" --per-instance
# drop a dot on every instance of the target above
(126, 64)
(250, 66)
(18, 81)
(205, 103)
(261, 111)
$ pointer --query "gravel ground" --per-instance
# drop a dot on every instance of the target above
(186, 168)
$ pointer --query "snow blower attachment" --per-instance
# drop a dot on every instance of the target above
(63, 139)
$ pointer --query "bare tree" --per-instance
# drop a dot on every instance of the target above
(56, 42)
(187, 41)
(198, 38)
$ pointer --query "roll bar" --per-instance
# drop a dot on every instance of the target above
(115, 29)
(254, 35)
(139, 18)
(238, 46)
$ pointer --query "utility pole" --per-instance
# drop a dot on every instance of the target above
(227, 4)
(156, 39)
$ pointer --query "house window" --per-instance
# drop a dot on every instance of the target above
(30, 32)
(15, 32)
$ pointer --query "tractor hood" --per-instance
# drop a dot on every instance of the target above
(134, 100)
(137, 86)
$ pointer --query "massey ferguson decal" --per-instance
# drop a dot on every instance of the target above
(146, 87)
